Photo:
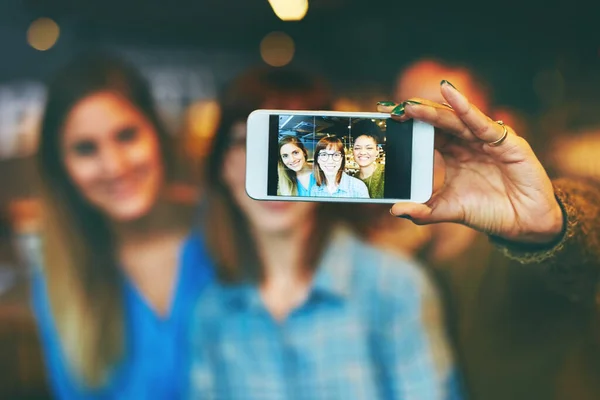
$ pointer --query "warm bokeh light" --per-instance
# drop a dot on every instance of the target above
(43, 34)
(277, 49)
(346, 104)
(200, 122)
(202, 119)
(360, 99)
(289, 10)
(24, 214)
(576, 154)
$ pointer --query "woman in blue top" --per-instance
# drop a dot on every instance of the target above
(120, 269)
(303, 309)
(295, 174)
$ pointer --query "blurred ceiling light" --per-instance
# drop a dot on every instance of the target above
(289, 10)
(43, 34)
(277, 49)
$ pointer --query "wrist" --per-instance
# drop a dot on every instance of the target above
(549, 232)
(550, 229)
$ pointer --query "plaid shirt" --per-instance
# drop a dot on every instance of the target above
(348, 187)
(371, 328)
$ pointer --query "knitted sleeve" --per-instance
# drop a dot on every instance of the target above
(572, 264)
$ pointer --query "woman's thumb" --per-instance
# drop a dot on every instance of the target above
(420, 214)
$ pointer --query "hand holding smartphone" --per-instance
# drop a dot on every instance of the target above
(338, 157)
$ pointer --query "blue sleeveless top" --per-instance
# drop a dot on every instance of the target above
(155, 361)
(302, 191)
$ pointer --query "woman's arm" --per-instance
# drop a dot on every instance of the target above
(572, 263)
(487, 177)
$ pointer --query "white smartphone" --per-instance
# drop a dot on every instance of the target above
(338, 157)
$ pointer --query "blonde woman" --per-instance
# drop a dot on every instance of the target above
(295, 174)
(120, 269)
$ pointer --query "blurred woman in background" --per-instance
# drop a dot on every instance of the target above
(331, 180)
(120, 268)
(303, 309)
(295, 174)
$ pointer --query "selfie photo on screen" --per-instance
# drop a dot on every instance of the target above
(339, 157)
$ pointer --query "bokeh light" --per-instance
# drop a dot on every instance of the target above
(346, 104)
(202, 118)
(277, 49)
(43, 34)
(289, 10)
(576, 154)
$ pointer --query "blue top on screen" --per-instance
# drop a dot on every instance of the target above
(155, 364)
(302, 191)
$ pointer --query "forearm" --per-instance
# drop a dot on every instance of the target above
(571, 264)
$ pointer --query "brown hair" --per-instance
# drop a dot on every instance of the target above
(288, 181)
(329, 142)
(80, 262)
(227, 232)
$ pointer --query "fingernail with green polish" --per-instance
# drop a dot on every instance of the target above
(386, 103)
(405, 216)
(414, 102)
(448, 82)
(399, 110)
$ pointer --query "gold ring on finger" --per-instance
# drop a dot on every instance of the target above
(498, 142)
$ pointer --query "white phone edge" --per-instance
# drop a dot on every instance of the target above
(257, 158)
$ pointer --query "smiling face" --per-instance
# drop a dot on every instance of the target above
(292, 157)
(330, 160)
(365, 151)
(112, 154)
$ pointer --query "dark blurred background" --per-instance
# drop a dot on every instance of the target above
(542, 60)
(353, 42)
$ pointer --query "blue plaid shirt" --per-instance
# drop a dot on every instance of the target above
(370, 329)
(348, 187)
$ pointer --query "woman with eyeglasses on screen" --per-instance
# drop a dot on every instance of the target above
(295, 174)
(331, 180)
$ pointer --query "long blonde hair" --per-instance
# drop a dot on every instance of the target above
(80, 265)
(288, 180)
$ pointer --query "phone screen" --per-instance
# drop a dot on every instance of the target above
(339, 157)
